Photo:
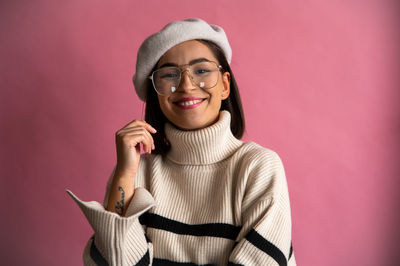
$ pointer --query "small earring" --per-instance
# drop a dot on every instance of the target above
(222, 95)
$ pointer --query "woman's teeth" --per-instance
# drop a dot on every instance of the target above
(188, 103)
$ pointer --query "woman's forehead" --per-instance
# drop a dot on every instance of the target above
(185, 52)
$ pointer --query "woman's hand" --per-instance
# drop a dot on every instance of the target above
(128, 141)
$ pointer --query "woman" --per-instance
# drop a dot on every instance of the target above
(199, 195)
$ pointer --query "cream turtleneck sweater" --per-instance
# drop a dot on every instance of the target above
(212, 200)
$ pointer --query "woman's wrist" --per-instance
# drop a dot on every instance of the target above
(124, 174)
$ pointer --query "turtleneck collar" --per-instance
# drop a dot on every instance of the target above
(203, 146)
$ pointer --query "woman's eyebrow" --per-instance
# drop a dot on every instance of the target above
(194, 61)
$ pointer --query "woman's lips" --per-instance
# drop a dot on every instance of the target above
(189, 102)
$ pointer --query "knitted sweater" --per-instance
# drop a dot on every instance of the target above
(211, 200)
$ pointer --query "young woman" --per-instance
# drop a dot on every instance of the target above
(198, 195)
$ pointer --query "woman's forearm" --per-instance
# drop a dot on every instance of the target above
(121, 193)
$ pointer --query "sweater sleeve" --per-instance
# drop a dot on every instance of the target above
(265, 237)
(117, 240)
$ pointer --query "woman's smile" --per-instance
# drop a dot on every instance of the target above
(189, 102)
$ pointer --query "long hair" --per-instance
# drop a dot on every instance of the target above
(155, 117)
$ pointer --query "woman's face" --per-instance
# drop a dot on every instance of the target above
(198, 115)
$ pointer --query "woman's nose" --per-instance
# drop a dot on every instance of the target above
(186, 82)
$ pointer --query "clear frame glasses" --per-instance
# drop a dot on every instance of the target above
(204, 74)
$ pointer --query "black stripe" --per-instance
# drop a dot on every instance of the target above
(260, 242)
(212, 229)
(291, 250)
(164, 262)
(96, 255)
(145, 260)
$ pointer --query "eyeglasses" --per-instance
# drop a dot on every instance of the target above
(167, 79)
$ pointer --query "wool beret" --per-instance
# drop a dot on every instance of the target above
(154, 46)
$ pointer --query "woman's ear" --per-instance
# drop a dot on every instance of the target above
(226, 81)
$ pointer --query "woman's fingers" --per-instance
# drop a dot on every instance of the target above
(142, 123)
(147, 140)
(137, 125)
(128, 141)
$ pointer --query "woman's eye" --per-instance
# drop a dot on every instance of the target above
(201, 71)
(169, 75)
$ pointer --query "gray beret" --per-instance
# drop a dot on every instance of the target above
(154, 47)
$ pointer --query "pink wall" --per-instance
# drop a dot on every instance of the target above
(319, 86)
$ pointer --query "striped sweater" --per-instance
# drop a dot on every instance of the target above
(211, 200)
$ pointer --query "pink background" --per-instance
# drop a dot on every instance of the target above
(319, 82)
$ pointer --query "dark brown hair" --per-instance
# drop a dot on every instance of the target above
(155, 117)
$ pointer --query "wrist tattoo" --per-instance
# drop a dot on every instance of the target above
(119, 208)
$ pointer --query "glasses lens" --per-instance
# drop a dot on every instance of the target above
(205, 74)
(166, 80)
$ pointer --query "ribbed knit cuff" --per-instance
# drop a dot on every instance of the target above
(113, 232)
